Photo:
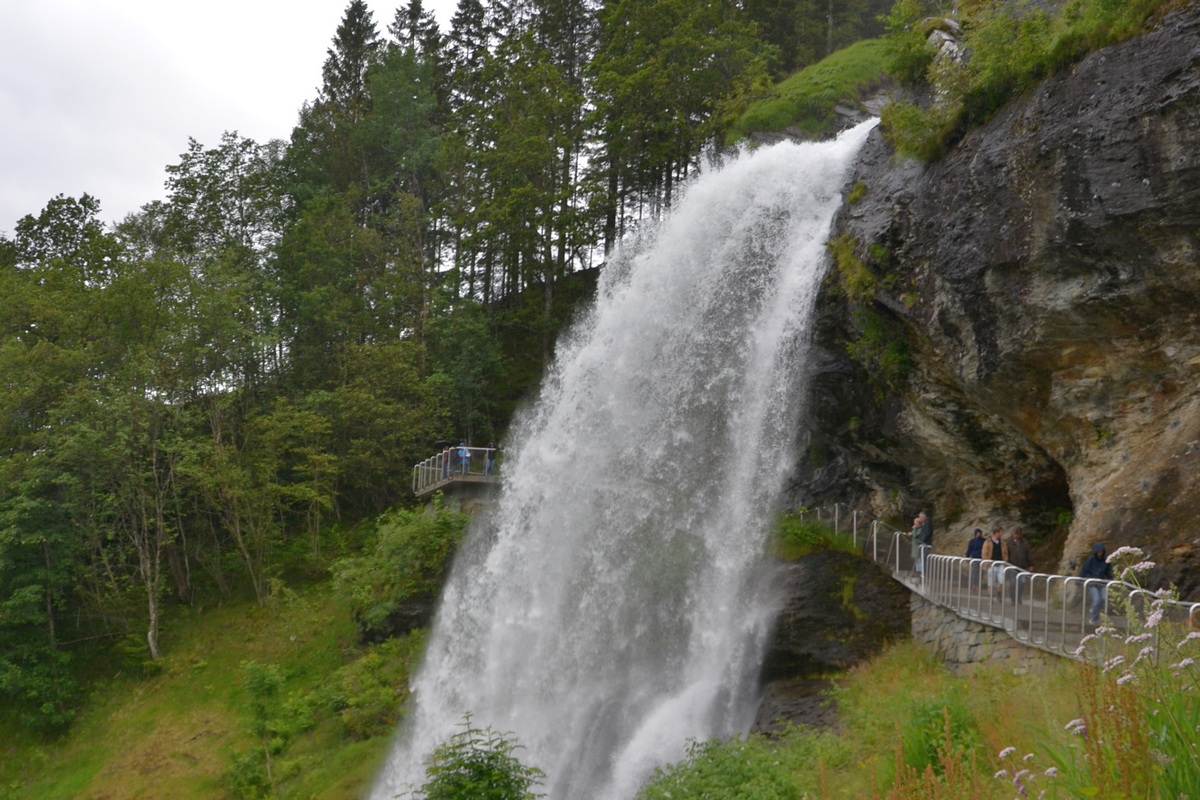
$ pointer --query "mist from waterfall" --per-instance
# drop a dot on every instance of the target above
(613, 605)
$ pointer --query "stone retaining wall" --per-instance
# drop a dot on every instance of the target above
(962, 642)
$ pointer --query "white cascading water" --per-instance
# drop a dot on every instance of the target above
(613, 605)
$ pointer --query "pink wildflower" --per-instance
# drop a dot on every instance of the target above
(1006, 752)
(1124, 551)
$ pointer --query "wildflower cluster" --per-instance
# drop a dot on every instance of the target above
(1139, 694)
(1025, 774)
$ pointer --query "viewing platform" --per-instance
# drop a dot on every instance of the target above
(457, 469)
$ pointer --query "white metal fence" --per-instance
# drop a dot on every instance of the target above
(455, 463)
(1050, 612)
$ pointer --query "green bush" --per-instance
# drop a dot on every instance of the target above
(906, 56)
(368, 694)
(411, 553)
(737, 769)
(881, 348)
(478, 764)
(797, 536)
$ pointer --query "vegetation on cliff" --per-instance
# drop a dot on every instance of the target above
(1004, 49)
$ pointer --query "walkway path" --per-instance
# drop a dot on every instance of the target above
(1037, 609)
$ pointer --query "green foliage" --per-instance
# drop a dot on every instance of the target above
(798, 535)
(1010, 48)
(856, 280)
(667, 77)
(881, 347)
(932, 722)
(1138, 694)
(465, 354)
(410, 555)
(738, 769)
(478, 764)
(805, 100)
(274, 720)
(917, 131)
(369, 693)
(906, 53)
(857, 192)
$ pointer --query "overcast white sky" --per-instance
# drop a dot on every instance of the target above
(99, 96)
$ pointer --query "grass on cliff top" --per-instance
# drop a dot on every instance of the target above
(805, 100)
(175, 734)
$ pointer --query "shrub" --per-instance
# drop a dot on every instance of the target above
(906, 53)
(412, 550)
(478, 764)
(798, 536)
(938, 730)
(368, 694)
(737, 769)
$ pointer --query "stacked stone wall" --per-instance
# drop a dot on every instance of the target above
(962, 643)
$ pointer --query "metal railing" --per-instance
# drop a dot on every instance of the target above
(1050, 612)
(456, 463)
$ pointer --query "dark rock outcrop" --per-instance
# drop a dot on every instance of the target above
(836, 611)
(1045, 278)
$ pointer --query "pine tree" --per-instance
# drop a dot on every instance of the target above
(355, 48)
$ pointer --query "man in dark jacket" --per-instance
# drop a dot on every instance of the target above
(975, 550)
(1098, 568)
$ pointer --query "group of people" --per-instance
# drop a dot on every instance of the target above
(457, 460)
(1013, 551)
(1000, 551)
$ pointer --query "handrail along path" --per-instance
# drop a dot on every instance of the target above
(1049, 612)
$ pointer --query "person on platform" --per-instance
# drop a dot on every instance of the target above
(975, 551)
(464, 457)
(922, 541)
(490, 467)
(995, 549)
(1097, 567)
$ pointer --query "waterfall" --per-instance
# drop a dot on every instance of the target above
(612, 605)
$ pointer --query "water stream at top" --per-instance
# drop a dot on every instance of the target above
(613, 605)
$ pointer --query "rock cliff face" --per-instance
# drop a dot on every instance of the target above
(1043, 279)
(835, 610)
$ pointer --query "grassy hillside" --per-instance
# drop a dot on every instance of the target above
(179, 733)
(805, 101)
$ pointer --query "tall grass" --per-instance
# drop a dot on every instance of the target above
(908, 730)
(1136, 730)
